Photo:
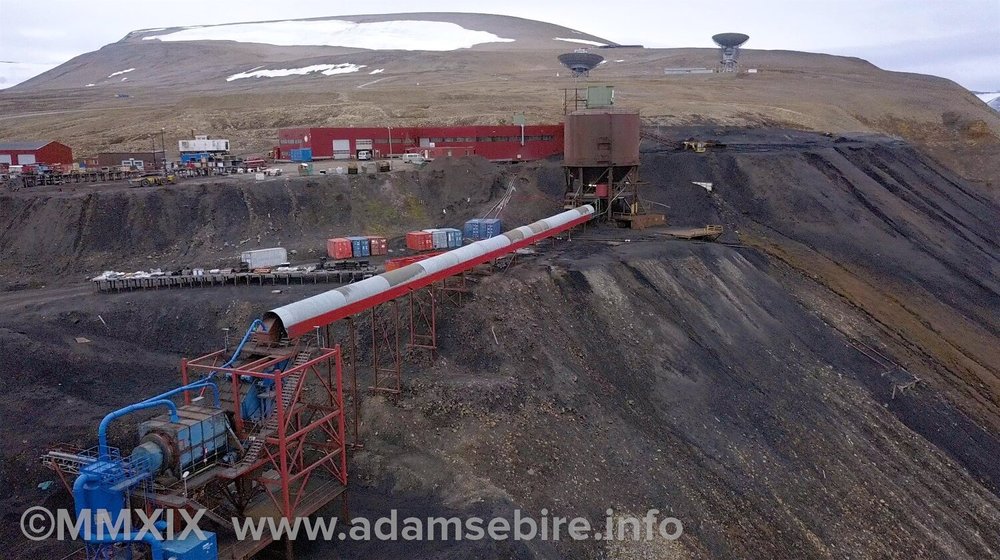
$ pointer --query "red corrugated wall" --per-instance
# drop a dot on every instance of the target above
(49, 154)
(55, 152)
(500, 143)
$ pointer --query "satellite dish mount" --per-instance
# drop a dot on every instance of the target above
(730, 44)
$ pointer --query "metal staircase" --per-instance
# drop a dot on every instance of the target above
(68, 460)
(259, 437)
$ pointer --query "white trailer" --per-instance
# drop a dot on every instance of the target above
(203, 143)
(264, 258)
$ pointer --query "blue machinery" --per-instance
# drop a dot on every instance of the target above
(260, 447)
(185, 438)
(242, 441)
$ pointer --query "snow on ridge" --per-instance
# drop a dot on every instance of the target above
(581, 41)
(987, 97)
(380, 35)
(377, 71)
(325, 69)
(90, 85)
(120, 72)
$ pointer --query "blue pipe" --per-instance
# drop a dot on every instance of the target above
(102, 430)
(246, 338)
(190, 387)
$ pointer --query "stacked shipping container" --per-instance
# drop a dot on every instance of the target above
(419, 241)
(339, 248)
(482, 228)
(445, 238)
(356, 247)
(378, 245)
(360, 246)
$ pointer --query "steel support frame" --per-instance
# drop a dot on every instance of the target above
(310, 433)
(387, 360)
(423, 305)
(453, 288)
(353, 358)
(624, 185)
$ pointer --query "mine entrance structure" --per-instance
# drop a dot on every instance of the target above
(601, 163)
(261, 432)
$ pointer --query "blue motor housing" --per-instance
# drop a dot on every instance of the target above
(192, 548)
(197, 438)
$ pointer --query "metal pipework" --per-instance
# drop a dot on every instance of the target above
(102, 430)
(296, 319)
(195, 385)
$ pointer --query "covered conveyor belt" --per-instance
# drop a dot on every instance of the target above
(295, 319)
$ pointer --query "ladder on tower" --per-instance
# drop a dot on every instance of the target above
(257, 441)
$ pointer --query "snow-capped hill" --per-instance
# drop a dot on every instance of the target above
(310, 51)
(405, 35)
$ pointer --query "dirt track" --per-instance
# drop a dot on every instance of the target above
(722, 384)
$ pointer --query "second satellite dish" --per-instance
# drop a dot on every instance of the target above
(730, 44)
(580, 63)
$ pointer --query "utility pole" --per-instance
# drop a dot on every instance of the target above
(163, 145)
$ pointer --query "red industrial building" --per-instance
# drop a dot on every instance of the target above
(496, 143)
(28, 153)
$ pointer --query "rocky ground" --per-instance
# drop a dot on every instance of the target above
(821, 384)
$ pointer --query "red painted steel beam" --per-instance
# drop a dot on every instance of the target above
(322, 318)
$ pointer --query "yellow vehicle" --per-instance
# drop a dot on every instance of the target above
(151, 179)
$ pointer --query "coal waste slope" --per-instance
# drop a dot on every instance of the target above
(680, 377)
(907, 245)
(824, 385)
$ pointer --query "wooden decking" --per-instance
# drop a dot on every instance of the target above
(709, 232)
(233, 279)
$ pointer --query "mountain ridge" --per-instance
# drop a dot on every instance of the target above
(214, 87)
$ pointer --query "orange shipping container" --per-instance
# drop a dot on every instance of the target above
(419, 240)
(338, 248)
(379, 246)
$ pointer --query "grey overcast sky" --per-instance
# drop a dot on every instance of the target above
(956, 39)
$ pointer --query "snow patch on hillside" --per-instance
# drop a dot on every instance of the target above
(384, 35)
(120, 72)
(377, 71)
(581, 41)
(325, 69)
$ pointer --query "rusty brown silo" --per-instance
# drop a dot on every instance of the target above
(602, 138)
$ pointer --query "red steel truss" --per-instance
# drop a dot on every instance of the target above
(305, 435)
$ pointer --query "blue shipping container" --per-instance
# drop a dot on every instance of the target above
(454, 237)
(482, 228)
(491, 227)
(360, 246)
(472, 228)
(301, 154)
